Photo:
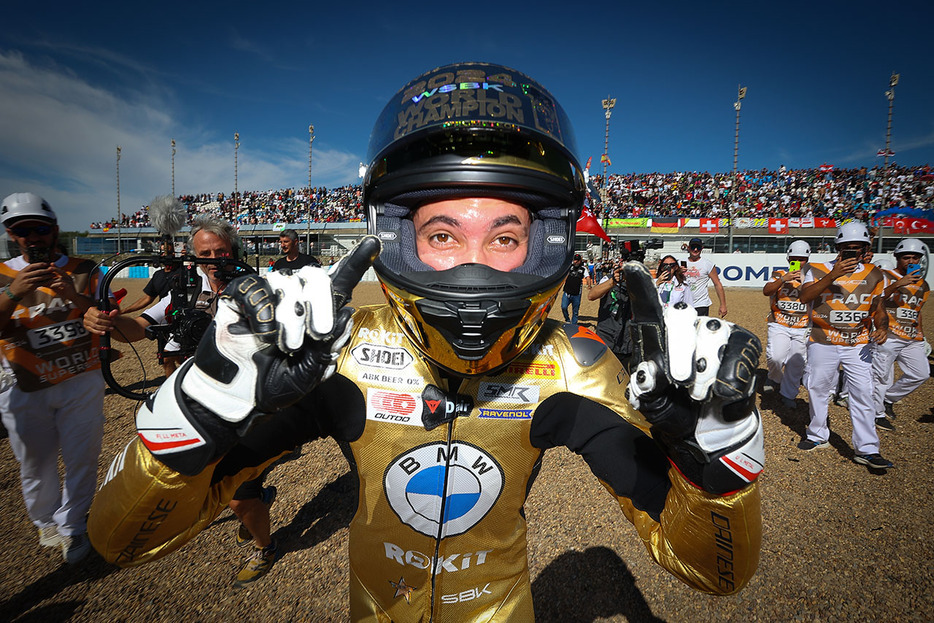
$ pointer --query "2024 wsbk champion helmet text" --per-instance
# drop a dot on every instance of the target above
(473, 130)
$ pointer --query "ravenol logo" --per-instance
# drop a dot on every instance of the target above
(443, 489)
(506, 414)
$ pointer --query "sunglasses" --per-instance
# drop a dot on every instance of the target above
(668, 264)
(21, 231)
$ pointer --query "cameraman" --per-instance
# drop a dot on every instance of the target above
(613, 314)
(209, 238)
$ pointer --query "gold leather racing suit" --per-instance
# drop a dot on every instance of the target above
(444, 467)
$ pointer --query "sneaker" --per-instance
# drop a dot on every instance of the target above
(884, 423)
(875, 461)
(842, 400)
(769, 386)
(257, 564)
(890, 410)
(807, 445)
(75, 548)
(268, 496)
(49, 536)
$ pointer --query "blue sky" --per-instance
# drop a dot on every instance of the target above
(78, 79)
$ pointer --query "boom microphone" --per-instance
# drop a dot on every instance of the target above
(167, 215)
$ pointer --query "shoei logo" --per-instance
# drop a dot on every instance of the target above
(387, 235)
(556, 239)
(443, 489)
(394, 358)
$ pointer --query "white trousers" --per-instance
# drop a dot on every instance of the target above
(821, 380)
(786, 356)
(67, 418)
(911, 359)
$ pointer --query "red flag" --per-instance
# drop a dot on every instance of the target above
(824, 222)
(913, 226)
(710, 225)
(589, 160)
(588, 224)
(826, 168)
(778, 225)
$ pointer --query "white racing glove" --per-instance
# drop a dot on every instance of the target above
(272, 341)
(694, 381)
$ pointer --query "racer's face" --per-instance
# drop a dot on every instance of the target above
(286, 244)
(210, 245)
(473, 230)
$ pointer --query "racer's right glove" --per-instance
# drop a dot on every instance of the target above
(693, 380)
(272, 341)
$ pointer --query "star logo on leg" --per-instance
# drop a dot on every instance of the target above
(402, 590)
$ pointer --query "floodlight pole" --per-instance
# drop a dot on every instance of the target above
(311, 140)
(119, 211)
(173, 168)
(738, 105)
(236, 194)
(890, 95)
(608, 105)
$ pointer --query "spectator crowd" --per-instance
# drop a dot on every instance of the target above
(821, 192)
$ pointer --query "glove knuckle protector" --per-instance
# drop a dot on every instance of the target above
(694, 383)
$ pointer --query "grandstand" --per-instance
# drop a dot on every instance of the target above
(768, 210)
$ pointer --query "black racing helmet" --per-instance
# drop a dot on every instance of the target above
(473, 130)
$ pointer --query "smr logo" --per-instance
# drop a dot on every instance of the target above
(525, 394)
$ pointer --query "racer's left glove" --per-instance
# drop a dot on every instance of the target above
(694, 381)
(272, 341)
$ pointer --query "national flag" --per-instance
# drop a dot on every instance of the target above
(710, 225)
(807, 222)
(778, 225)
(665, 225)
(588, 224)
(606, 159)
(826, 168)
(589, 161)
(824, 222)
(913, 226)
(794, 222)
(884, 152)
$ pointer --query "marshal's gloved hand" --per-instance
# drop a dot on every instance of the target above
(273, 340)
(694, 381)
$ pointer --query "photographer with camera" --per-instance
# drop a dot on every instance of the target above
(847, 315)
(671, 283)
(209, 238)
(57, 403)
(614, 311)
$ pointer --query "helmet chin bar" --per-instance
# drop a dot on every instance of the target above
(472, 327)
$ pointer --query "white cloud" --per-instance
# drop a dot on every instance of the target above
(60, 134)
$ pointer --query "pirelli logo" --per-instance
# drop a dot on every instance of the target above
(549, 370)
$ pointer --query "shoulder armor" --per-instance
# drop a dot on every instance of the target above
(587, 346)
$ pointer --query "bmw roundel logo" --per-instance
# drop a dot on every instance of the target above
(443, 489)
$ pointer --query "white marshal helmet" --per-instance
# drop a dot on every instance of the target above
(798, 248)
(854, 231)
(24, 206)
(911, 245)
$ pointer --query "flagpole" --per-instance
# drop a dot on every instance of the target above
(890, 95)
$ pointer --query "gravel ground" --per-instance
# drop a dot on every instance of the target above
(840, 542)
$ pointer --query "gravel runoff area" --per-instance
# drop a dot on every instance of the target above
(840, 542)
